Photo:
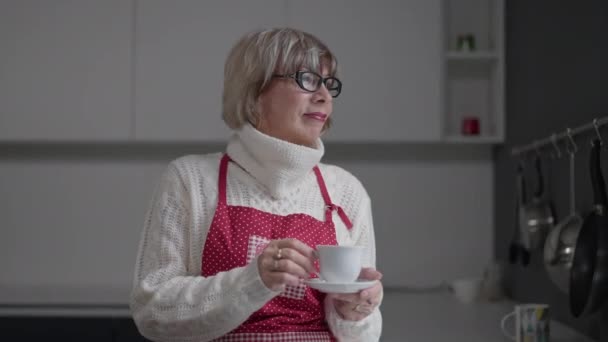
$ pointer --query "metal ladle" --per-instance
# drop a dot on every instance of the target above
(537, 216)
(560, 244)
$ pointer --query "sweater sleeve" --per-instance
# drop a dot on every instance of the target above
(370, 328)
(170, 302)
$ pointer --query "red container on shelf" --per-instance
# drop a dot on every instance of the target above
(470, 125)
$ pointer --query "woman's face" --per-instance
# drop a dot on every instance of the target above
(290, 113)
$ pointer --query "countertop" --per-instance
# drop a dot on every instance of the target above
(436, 317)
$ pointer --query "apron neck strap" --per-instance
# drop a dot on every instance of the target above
(222, 179)
(329, 206)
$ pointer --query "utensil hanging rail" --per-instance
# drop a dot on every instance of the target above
(536, 145)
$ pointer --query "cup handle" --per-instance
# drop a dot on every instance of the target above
(502, 325)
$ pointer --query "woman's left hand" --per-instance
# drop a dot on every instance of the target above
(357, 306)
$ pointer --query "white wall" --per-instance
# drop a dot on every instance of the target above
(71, 214)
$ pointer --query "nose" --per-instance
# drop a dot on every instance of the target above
(322, 95)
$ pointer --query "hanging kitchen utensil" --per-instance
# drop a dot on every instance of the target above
(561, 241)
(588, 276)
(538, 215)
(516, 249)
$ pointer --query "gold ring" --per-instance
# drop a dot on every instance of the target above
(362, 309)
(279, 254)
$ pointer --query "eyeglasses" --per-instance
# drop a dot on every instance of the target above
(311, 82)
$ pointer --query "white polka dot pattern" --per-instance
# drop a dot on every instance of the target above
(238, 234)
(294, 292)
(278, 337)
(255, 247)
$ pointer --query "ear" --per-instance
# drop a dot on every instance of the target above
(255, 116)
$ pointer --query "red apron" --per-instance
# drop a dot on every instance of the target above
(238, 234)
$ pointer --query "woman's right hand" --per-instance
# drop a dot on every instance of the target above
(285, 262)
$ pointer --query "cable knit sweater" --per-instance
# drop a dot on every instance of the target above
(171, 301)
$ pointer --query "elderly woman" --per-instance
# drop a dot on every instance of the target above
(230, 237)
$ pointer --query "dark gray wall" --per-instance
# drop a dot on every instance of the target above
(557, 76)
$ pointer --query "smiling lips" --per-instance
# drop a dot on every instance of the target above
(317, 116)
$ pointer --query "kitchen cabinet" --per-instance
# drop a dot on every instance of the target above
(91, 71)
(124, 330)
(30, 329)
(389, 55)
(91, 329)
(65, 70)
(473, 71)
(181, 48)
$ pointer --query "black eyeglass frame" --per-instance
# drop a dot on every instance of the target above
(297, 76)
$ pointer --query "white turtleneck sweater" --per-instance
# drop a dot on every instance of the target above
(171, 301)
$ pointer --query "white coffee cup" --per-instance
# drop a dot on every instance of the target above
(532, 323)
(466, 289)
(340, 264)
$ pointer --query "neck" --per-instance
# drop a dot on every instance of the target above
(276, 164)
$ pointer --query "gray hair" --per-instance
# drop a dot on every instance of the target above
(256, 57)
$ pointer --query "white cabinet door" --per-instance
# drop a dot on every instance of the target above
(181, 50)
(65, 70)
(389, 56)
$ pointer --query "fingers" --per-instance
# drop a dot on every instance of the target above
(300, 247)
(297, 252)
(352, 312)
(357, 306)
(281, 279)
(370, 273)
(285, 262)
(285, 265)
(370, 296)
(292, 255)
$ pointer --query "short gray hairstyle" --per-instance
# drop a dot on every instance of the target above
(256, 57)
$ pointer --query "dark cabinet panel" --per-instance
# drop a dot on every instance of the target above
(126, 331)
(68, 329)
(56, 329)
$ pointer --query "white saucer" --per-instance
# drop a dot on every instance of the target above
(327, 287)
